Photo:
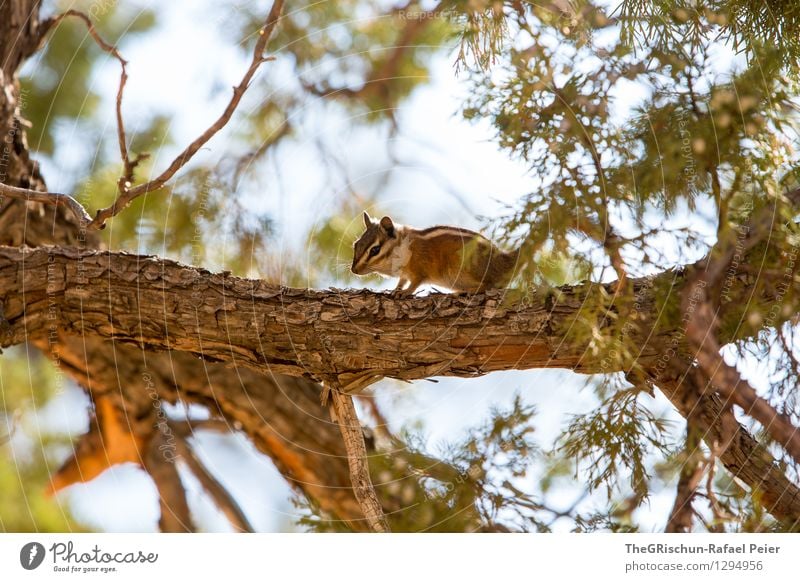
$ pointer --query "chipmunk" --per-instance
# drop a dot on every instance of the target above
(456, 258)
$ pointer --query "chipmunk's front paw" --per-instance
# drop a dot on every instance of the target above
(406, 293)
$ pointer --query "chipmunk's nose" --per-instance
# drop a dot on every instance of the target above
(353, 267)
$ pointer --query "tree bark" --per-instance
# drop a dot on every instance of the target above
(160, 304)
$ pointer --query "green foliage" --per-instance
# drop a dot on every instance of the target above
(494, 460)
(25, 507)
(694, 135)
(610, 445)
(748, 25)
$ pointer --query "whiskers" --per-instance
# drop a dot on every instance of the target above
(343, 267)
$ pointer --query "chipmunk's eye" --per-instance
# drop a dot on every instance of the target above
(374, 250)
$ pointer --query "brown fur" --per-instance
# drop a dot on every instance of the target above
(456, 258)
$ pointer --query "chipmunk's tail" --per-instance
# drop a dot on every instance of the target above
(517, 259)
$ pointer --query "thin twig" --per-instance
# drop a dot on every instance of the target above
(128, 165)
(127, 195)
(346, 417)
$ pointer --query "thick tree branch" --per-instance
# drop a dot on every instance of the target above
(249, 323)
(701, 307)
(744, 457)
(354, 335)
(20, 36)
(701, 330)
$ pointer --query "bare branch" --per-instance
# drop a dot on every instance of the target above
(128, 165)
(127, 194)
(345, 412)
(175, 515)
(52, 198)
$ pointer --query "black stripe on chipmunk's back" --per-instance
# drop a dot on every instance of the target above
(453, 229)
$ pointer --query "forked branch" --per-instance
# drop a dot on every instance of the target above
(51, 23)
(127, 192)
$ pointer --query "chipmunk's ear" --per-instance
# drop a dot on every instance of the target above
(367, 219)
(387, 225)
